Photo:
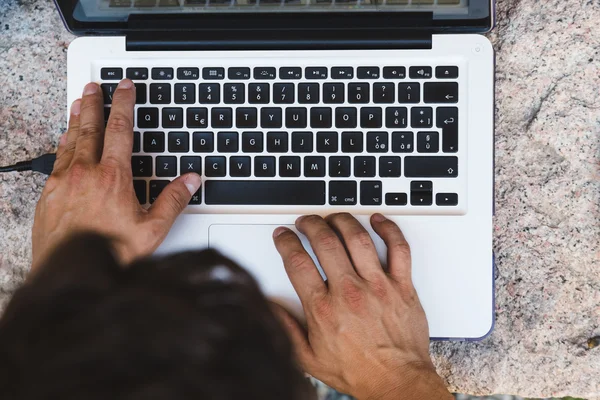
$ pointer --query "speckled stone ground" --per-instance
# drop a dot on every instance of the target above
(547, 187)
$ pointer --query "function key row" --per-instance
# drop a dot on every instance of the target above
(283, 73)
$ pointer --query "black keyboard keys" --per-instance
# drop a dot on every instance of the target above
(246, 117)
(428, 142)
(271, 117)
(160, 93)
(203, 142)
(370, 193)
(221, 117)
(440, 92)
(215, 167)
(234, 93)
(342, 72)
(333, 93)
(189, 73)
(166, 166)
(421, 117)
(190, 164)
(159, 74)
(264, 167)
(295, 117)
(289, 166)
(154, 142)
(396, 117)
(352, 142)
(271, 192)
(264, 73)
(345, 117)
(384, 93)
(111, 74)
(141, 166)
(377, 142)
(283, 93)
(447, 119)
(308, 93)
(179, 142)
(394, 72)
(315, 73)
(409, 93)
(227, 142)
(358, 93)
(239, 166)
(290, 73)
(172, 117)
(396, 199)
(342, 193)
(213, 73)
(252, 142)
(367, 73)
(137, 73)
(185, 93)
(302, 142)
(258, 93)
(277, 142)
(108, 90)
(197, 117)
(238, 73)
(314, 167)
(389, 167)
(402, 142)
(421, 193)
(137, 142)
(446, 72)
(156, 188)
(446, 199)
(147, 117)
(420, 72)
(430, 167)
(364, 167)
(370, 117)
(339, 167)
(141, 94)
(139, 187)
(320, 117)
(327, 142)
(210, 93)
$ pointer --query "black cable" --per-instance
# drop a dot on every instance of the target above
(43, 164)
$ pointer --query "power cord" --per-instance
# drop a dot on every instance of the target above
(43, 164)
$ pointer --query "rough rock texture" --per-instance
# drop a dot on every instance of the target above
(547, 187)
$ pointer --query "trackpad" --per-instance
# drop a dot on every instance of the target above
(251, 246)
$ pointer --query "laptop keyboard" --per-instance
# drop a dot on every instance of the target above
(361, 136)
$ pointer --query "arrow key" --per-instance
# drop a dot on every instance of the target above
(446, 199)
(396, 199)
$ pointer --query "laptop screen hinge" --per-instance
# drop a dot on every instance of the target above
(342, 31)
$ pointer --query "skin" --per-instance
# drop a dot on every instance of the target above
(366, 332)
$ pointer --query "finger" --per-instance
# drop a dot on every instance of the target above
(90, 139)
(359, 244)
(299, 267)
(327, 247)
(298, 336)
(398, 250)
(173, 200)
(118, 136)
(64, 154)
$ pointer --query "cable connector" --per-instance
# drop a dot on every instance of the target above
(43, 164)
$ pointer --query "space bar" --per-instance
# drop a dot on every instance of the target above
(265, 192)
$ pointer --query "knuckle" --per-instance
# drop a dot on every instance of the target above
(109, 175)
(322, 308)
(362, 239)
(352, 292)
(400, 247)
(78, 172)
(298, 260)
(327, 240)
(380, 287)
(119, 123)
(88, 130)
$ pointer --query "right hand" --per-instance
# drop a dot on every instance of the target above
(367, 334)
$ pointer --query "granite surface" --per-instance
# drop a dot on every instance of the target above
(547, 225)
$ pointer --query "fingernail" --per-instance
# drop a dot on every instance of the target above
(125, 84)
(76, 107)
(279, 231)
(378, 217)
(90, 88)
(192, 182)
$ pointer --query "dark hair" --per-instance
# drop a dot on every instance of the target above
(187, 326)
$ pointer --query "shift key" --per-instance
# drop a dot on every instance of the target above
(430, 167)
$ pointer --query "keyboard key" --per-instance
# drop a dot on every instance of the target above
(250, 192)
(139, 74)
(154, 142)
(314, 167)
(342, 72)
(420, 72)
(258, 93)
(141, 166)
(358, 93)
(222, 117)
(106, 114)
(137, 147)
(214, 167)
(188, 73)
(364, 167)
(239, 166)
(430, 167)
(108, 90)
(234, 93)
(162, 74)
(246, 117)
(213, 73)
(389, 167)
(179, 142)
(139, 187)
(339, 167)
(421, 193)
(197, 118)
(384, 93)
(396, 117)
(428, 142)
(333, 93)
(302, 142)
(166, 166)
(271, 117)
(196, 197)
(308, 93)
(289, 167)
(210, 93)
(421, 117)
(352, 142)
(264, 167)
(147, 118)
(345, 117)
(402, 142)
(227, 142)
(172, 117)
(156, 188)
(327, 142)
(290, 73)
(316, 73)
(367, 72)
(160, 93)
(185, 93)
(264, 73)
(394, 72)
(252, 142)
(320, 117)
(370, 117)
(277, 142)
(440, 92)
(238, 73)
(141, 94)
(111, 74)
(409, 93)
(283, 93)
(377, 142)
(447, 119)
(203, 142)
(190, 164)
(342, 193)
(446, 72)
(396, 199)
(295, 117)
(446, 199)
(370, 193)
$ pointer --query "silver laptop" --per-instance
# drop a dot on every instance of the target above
(291, 107)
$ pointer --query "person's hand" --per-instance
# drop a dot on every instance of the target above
(91, 186)
(367, 332)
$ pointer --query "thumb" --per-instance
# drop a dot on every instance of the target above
(298, 336)
(174, 198)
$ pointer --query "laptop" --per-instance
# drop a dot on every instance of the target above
(293, 107)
